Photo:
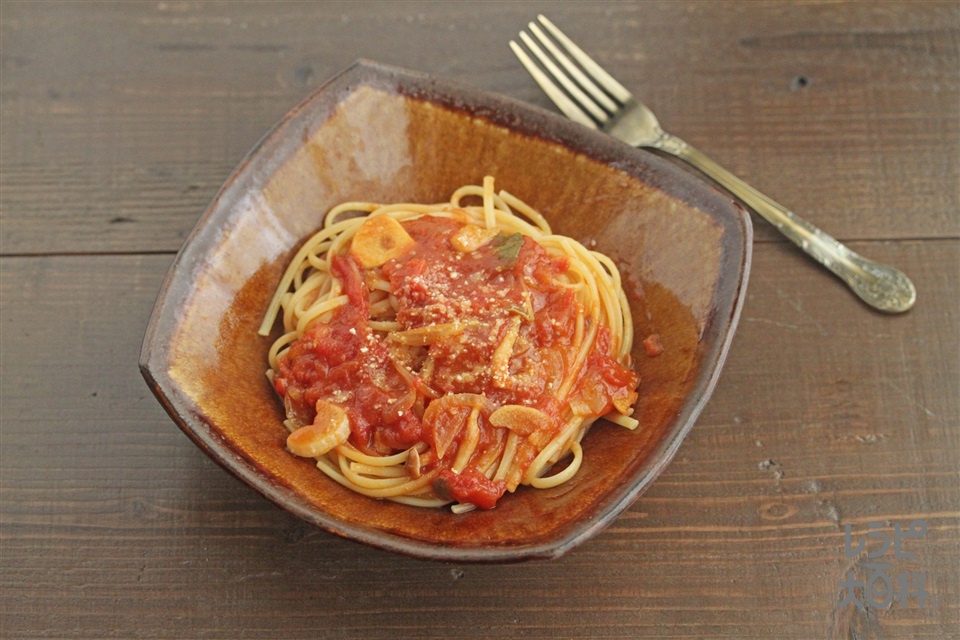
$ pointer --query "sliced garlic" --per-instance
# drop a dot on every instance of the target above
(470, 237)
(330, 429)
(379, 239)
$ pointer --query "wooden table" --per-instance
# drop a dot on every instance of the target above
(121, 120)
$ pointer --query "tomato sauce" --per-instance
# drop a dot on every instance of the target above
(504, 290)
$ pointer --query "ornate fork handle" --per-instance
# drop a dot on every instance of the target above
(627, 119)
(881, 286)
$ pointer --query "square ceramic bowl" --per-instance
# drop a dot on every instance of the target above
(378, 133)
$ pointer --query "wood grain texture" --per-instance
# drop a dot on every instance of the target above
(114, 525)
(119, 122)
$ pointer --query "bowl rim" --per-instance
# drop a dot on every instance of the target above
(517, 116)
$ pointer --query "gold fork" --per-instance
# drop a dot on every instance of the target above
(592, 97)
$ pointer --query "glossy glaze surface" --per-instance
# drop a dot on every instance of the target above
(383, 134)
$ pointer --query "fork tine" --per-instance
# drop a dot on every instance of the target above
(582, 99)
(585, 82)
(555, 93)
(607, 81)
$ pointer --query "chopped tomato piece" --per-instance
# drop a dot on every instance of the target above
(470, 485)
(653, 345)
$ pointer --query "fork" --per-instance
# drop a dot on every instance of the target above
(593, 98)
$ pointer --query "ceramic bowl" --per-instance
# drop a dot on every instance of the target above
(383, 134)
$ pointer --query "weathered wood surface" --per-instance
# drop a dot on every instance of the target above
(119, 123)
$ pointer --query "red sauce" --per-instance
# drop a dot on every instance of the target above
(471, 486)
(385, 390)
(652, 345)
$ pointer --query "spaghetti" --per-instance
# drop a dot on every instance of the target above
(450, 352)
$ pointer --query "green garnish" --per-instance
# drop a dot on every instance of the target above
(507, 248)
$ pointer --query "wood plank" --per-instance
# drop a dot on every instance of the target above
(119, 122)
(113, 525)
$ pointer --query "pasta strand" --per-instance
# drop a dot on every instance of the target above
(405, 358)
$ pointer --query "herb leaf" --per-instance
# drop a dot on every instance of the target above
(508, 247)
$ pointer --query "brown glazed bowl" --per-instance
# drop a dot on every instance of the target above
(378, 133)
